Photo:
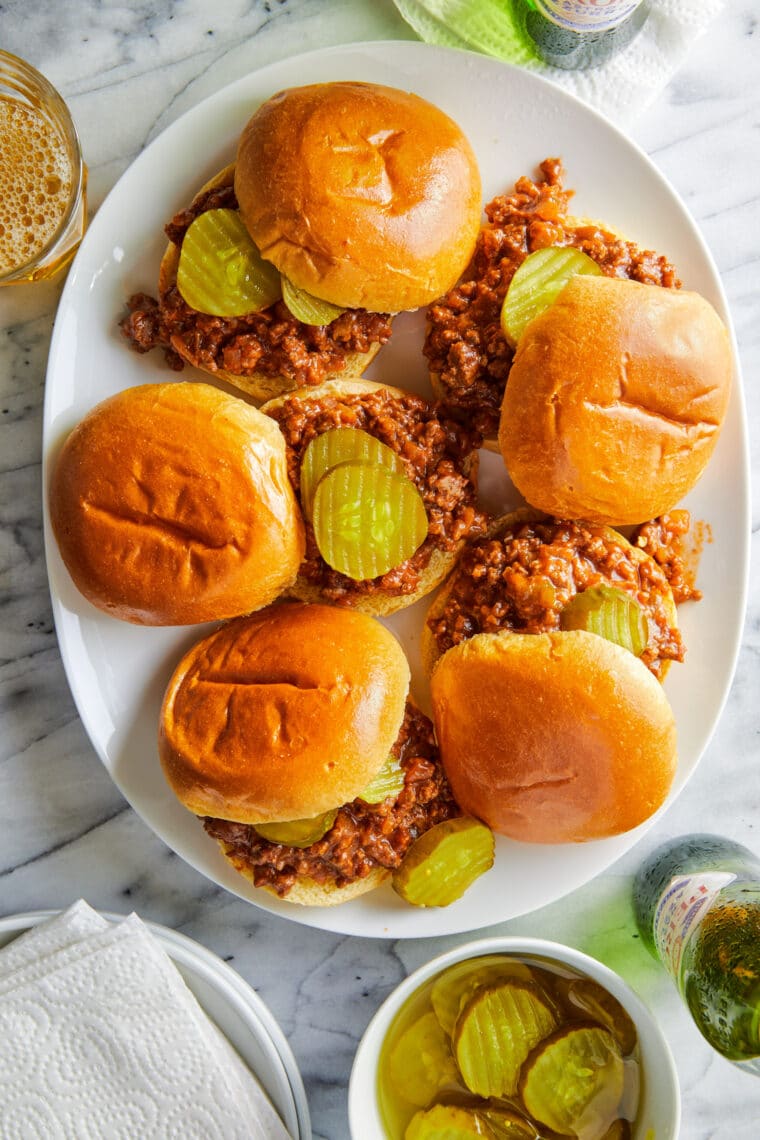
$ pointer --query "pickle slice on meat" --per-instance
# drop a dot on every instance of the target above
(443, 862)
(367, 519)
(389, 781)
(341, 445)
(611, 613)
(573, 1083)
(599, 1005)
(496, 1031)
(448, 1122)
(453, 988)
(306, 308)
(421, 1063)
(220, 271)
(537, 283)
(297, 832)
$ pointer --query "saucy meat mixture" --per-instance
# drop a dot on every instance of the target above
(271, 342)
(363, 836)
(437, 452)
(522, 580)
(464, 345)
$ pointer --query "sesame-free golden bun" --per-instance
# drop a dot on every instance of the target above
(553, 738)
(171, 505)
(440, 563)
(363, 195)
(258, 385)
(615, 400)
(282, 715)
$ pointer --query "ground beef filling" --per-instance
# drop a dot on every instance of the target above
(436, 451)
(523, 579)
(464, 345)
(664, 539)
(364, 836)
(271, 342)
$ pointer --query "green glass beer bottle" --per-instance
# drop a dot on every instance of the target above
(576, 34)
(697, 904)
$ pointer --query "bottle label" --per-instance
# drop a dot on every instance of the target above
(587, 15)
(679, 912)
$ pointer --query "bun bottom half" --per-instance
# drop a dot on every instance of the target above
(308, 892)
(440, 563)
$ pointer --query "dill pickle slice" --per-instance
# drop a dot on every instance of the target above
(389, 781)
(367, 519)
(447, 1122)
(599, 1005)
(306, 308)
(453, 988)
(421, 1064)
(297, 832)
(221, 271)
(443, 862)
(608, 612)
(538, 282)
(341, 445)
(496, 1031)
(573, 1083)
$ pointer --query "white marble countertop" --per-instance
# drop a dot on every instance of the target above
(127, 71)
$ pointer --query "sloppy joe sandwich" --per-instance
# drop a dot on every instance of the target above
(546, 646)
(425, 454)
(347, 202)
(468, 353)
(615, 400)
(171, 505)
(554, 737)
(290, 733)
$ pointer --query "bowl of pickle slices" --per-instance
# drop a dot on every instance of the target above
(513, 1039)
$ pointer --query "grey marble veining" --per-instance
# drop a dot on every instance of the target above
(128, 70)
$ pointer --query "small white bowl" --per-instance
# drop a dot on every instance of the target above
(660, 1104)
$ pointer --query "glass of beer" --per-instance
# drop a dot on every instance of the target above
(42, 176)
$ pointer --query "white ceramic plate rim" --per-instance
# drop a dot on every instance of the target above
(195, 960)
(362, 1089)
(106, 661)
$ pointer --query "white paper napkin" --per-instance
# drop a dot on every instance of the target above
(621, 88)
(101, 1038)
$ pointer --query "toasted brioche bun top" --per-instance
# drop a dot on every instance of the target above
(553, 738)
(615, 400)
(171, 505)
(284, 714)
(363, 195)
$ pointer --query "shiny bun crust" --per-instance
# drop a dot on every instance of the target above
(171, 505)
(363, 195)
(615, 400)
(553, 738)
(441, 562)
(428, 647)
(258, 386)
(282, 715)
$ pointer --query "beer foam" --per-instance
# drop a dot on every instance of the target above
(35, 182)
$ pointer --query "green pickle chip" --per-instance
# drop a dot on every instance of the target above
(453, 988)
(611, 613)
(421, 1063)
(598, 1004)
(220, 271)
(367, 519)
(297, 832)
(447, 1122)
(495, 1033)
(389, 781)
(443, 862)
(538, 282)
(341, 445)
(306, 308)
(574, 1082)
